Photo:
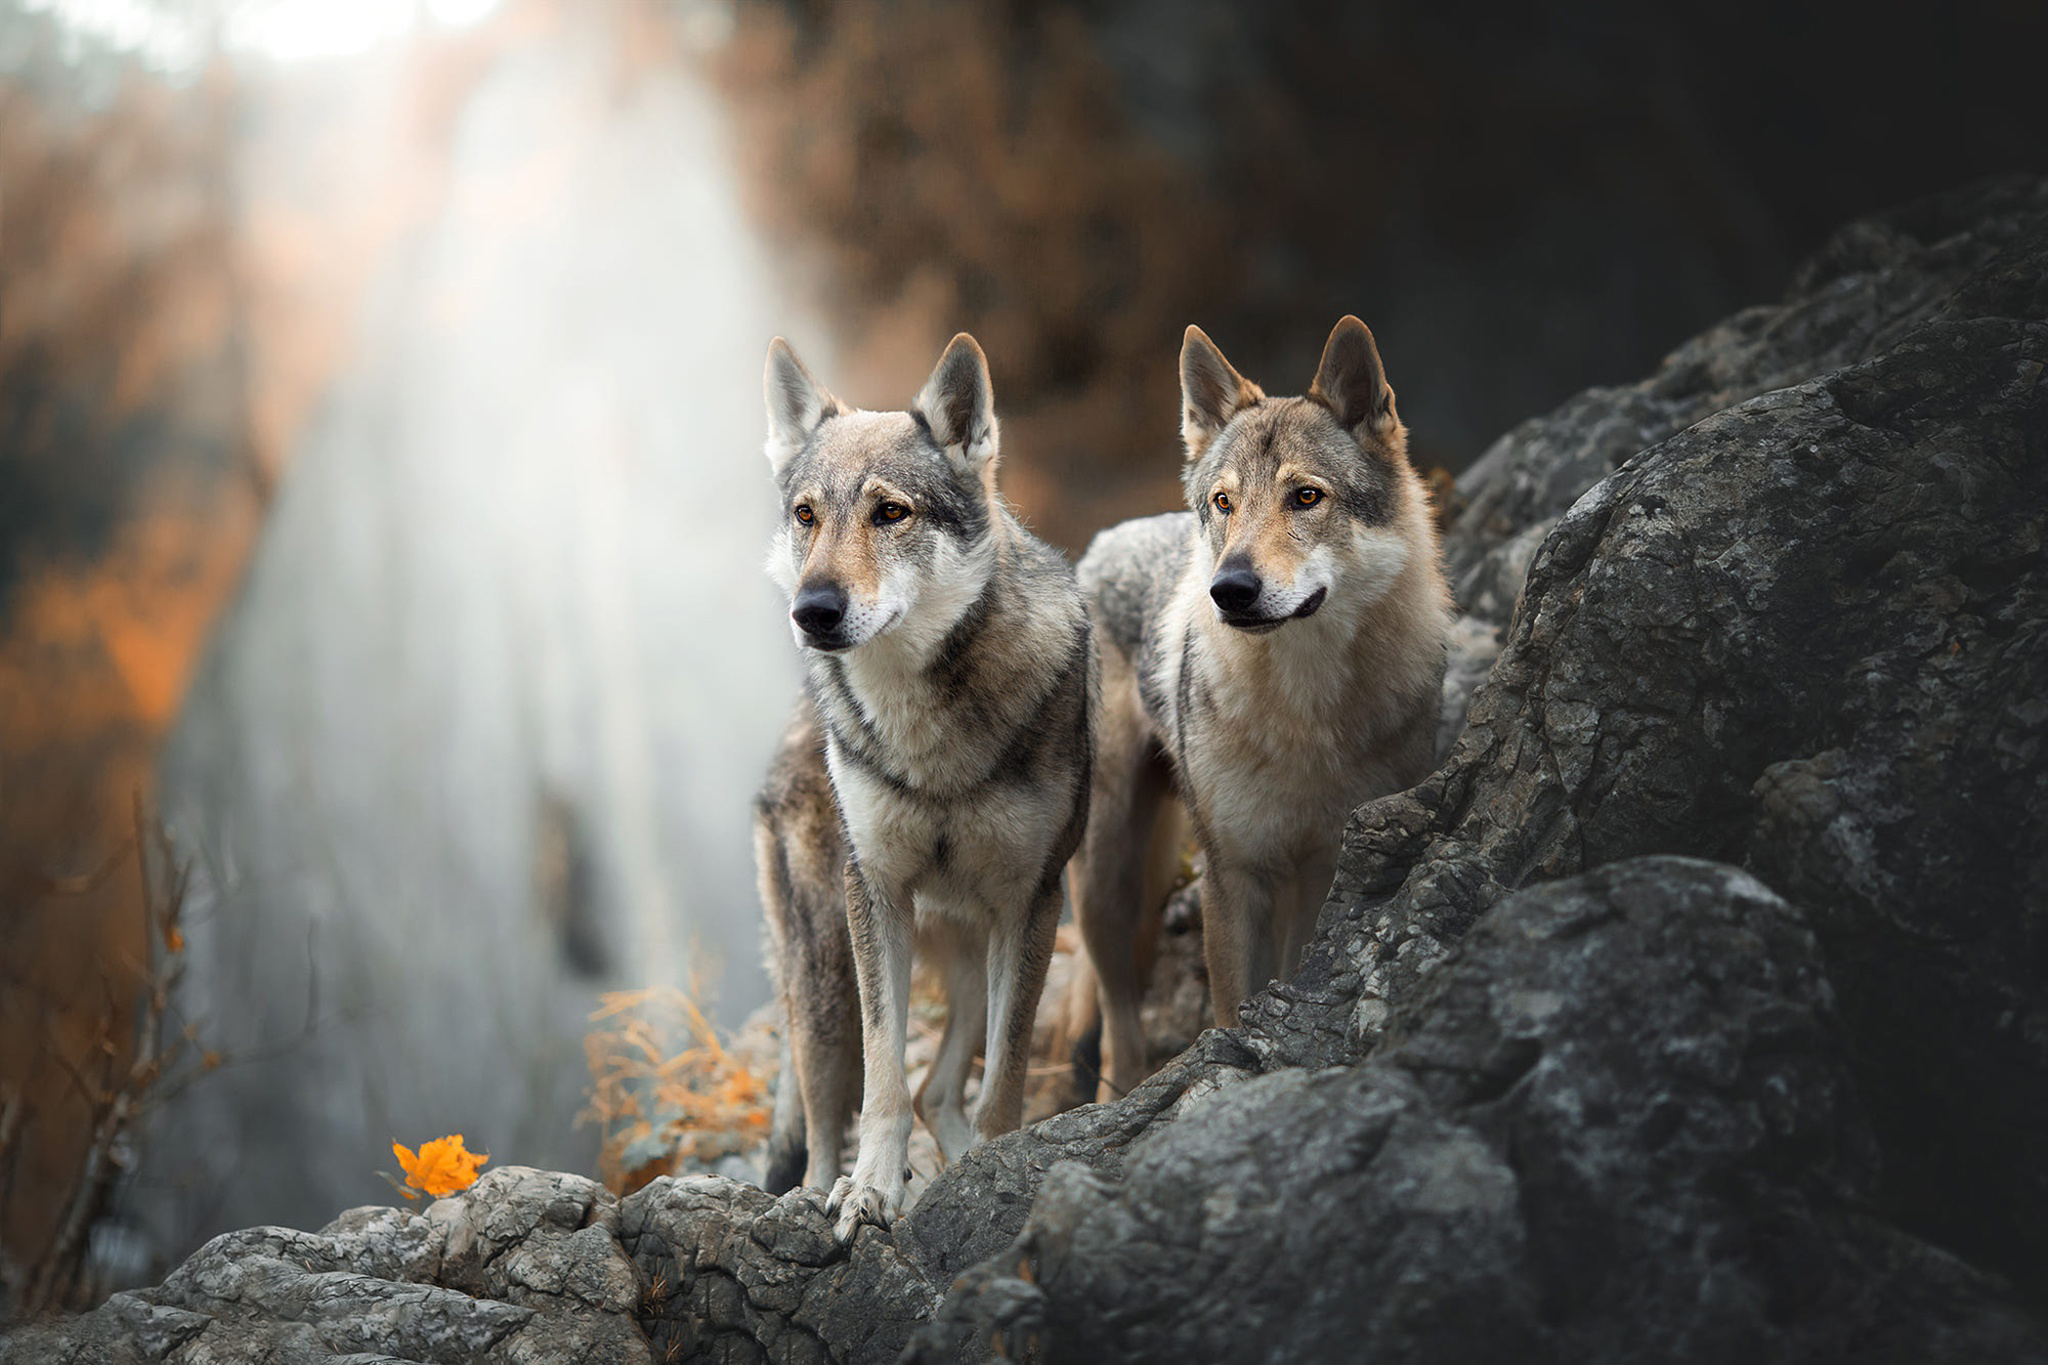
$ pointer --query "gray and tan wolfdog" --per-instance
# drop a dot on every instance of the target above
(952, 681)
(1279, 650)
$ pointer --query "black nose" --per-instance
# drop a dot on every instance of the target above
(819, 608)
(1234, 590)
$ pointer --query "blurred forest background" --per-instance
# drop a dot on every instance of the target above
(385, 665)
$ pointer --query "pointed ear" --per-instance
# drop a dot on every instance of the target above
(797, 403)
(1351, 382)
(1211, 392)
(959, 403)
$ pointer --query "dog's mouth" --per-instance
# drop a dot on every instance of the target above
(839, 641)
(1266, 625)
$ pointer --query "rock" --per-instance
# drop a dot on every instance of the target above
(1618, 1123)
(1805, 634)
(735, 1275)
(1728, 648)
(1473, 646)
(732, 1274)
(1875, 281)
(524, 1266)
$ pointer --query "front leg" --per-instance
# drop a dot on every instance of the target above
(1237, 919)
(1019, 951)
(959, 951)
(881, 926)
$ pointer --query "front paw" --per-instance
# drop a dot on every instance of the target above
(858, 1200)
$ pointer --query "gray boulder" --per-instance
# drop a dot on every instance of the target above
(1807, 635)
(1619, 1123)
(524, 1266)
(1877, 280)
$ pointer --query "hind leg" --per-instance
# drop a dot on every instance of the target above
(1107, 873)
(1081, 1028)
(828, 1067)
(783, 1167)
(958, 951)
(821, 1078)
(800, 859)
(1019, 950)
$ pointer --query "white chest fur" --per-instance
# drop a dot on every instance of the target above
(1279, 735)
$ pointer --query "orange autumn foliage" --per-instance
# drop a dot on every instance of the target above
(665, 1089)
(442, 1167)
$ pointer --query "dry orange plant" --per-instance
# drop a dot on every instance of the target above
(664, 1088)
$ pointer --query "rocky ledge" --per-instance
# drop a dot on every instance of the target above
(1696, 1010)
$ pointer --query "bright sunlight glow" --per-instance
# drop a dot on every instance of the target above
(172, 37)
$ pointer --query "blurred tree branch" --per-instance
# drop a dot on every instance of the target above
(118, 1080)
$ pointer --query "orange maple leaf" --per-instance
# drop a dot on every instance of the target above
(442, 1167)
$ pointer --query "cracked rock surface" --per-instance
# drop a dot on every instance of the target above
(1696, 1010)
(1619, 1123)
(524, 1266)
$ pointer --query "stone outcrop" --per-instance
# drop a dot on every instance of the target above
(1805, 634)
(1619, 1123)
(524, 1266)
(1697, 1009)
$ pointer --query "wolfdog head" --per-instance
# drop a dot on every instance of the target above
(1301, 500)
(885, 515)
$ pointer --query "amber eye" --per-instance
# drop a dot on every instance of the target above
(890, 511)
(803, 513)
(1223, 503)
(1307, 497)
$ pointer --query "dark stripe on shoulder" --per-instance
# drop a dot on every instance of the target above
(1029, 738)
(950, 665)
(835, 698)
(866, 758)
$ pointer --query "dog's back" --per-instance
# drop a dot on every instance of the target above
(1127, 575)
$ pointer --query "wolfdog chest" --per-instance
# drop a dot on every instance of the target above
(1263, 766)
(1279, 735)
(958, 781)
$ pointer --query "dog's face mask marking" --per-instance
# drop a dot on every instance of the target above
(1293, 493)
(885, 514)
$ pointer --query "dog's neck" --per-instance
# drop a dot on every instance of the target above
(889, 675)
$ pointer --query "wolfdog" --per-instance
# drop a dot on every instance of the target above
(1280, 646)
(952, 681)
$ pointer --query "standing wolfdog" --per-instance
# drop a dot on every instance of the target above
(1282, 646)
(952, 677)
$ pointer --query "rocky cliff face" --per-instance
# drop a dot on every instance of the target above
(1696, 1010)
